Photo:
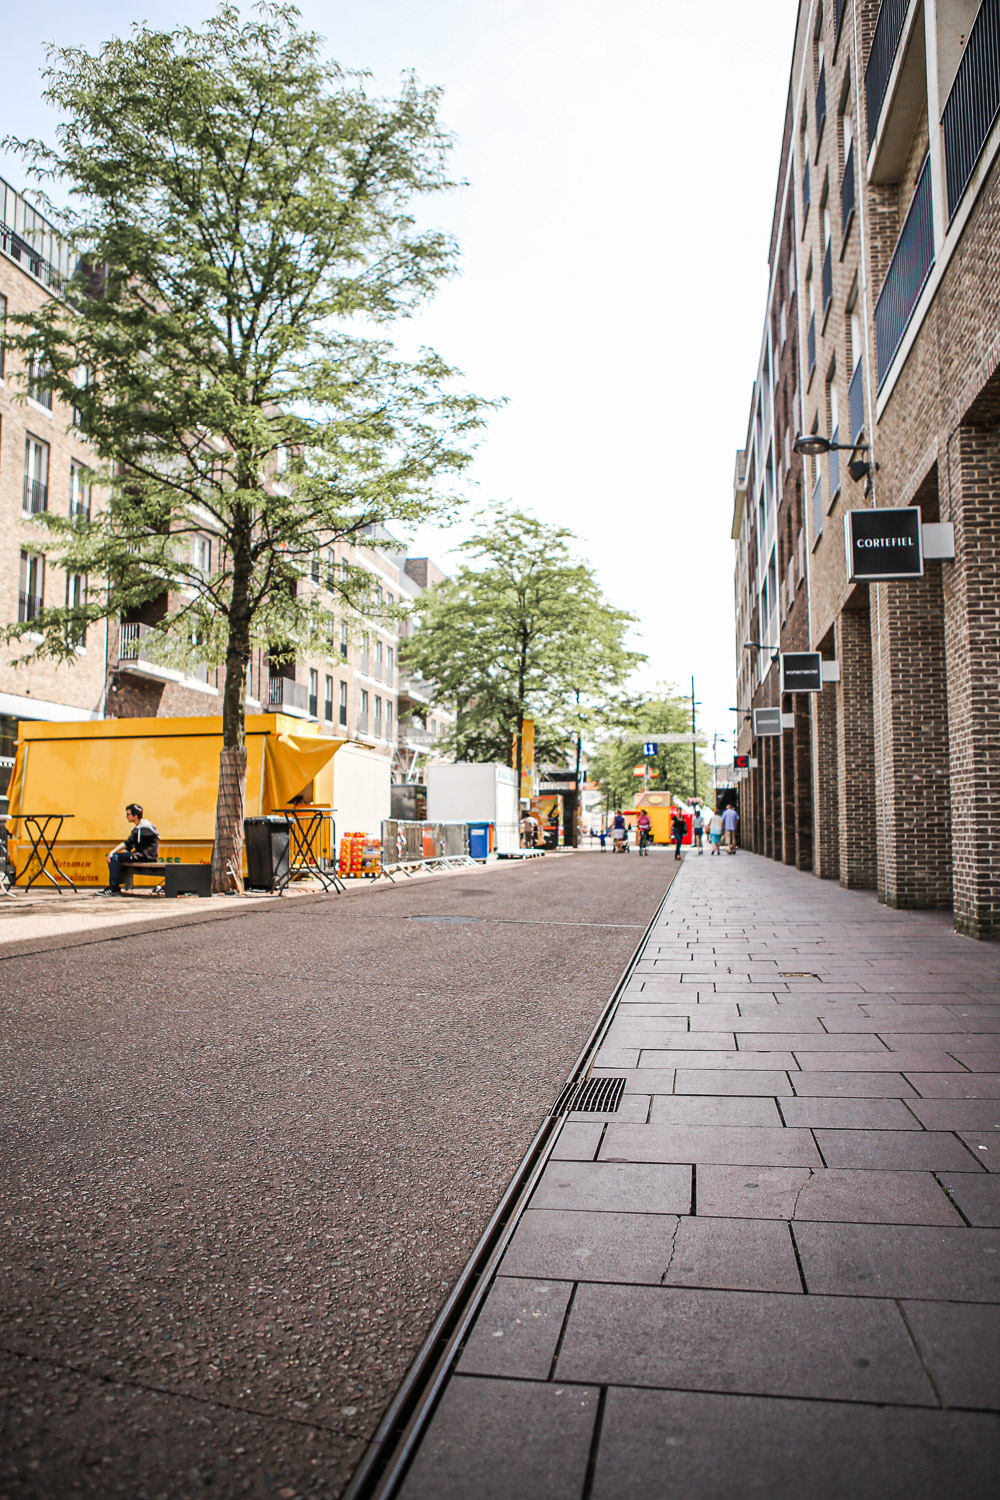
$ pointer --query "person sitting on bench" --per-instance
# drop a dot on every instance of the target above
(142, 847)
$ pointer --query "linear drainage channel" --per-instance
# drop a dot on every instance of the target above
(591, 1096)
(397, 1437)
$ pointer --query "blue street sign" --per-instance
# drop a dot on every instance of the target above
(649, 748)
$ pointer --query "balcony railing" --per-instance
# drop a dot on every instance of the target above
(314, 705)
(362, 723)
(18, 249)
(364, 663)
(131, 635)
(36, 496)
(79, 510)
(820, 105)
(811, 344)
(285, 692)
(885, 43)
(827, 278)
(376, 669)
(834, 464)
(29, 607)
(856, 403)
(911, 264)
(973, 104)
(847, 196)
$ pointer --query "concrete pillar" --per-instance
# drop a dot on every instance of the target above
(802, 750)
(825, 785)
(970, 498)
(856, 751)
(913, 808)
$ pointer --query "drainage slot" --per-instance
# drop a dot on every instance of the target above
(592, 1095)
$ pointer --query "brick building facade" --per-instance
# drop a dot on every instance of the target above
(889, 178)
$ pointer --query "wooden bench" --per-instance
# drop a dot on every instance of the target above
(178, 880)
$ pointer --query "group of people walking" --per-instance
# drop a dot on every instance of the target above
(720, 830)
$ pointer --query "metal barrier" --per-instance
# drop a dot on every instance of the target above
(407, 846)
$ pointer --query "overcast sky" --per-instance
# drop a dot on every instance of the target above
(621, 163)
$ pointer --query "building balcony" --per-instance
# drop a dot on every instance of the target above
(911, 264)
(885, 44)
(285, 695)
(26, 255)
(973, 104)
(36, 496)
(413, 737)
(136, 641)
(414, 688)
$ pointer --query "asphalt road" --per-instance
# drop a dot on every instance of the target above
(243, 1163)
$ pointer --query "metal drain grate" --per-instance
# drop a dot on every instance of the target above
(592, 1095)
(796, 974)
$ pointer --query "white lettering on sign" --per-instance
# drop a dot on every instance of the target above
(883, 541)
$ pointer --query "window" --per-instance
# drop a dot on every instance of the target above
(364, 701)
(390, 664)
(343, 703)
(343, 641)
(3, 332)
(32, 585)
(827, 261)
(201, 555)
(79, 493)
(378, 659)
(38, 387)
(378, 716)
(81, 380)
(76, 599)
(313, 692)
(315, 567)
(833, 428)
(36, 476)
(856, 390)
(388, 719)
(331, 569)
(390, 601)
(281, 459)
(328, 700)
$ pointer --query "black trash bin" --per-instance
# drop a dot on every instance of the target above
(267, 852)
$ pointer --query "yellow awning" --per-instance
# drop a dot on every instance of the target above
(291, 763)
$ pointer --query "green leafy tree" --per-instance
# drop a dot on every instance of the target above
(243, 213)
(617, 756)
(526, 634)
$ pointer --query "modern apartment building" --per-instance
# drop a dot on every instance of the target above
(43, 467)
(882, 330)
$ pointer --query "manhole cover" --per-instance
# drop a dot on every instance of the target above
(592, 1095)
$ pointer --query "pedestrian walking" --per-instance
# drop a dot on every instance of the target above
(644, 828)
(678, 828)
(730, 818)
(699, 830)
(715, 831)
(604, 840)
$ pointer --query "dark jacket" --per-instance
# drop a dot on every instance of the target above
(143, 843)
(678, 827)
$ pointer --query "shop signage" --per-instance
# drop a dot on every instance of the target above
(801, 672)
(649, 748)
(741, 762)
(766, 721)
(883, 544)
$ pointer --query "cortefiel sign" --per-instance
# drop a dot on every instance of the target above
(801, 672)
(883, 544)
(766, 721)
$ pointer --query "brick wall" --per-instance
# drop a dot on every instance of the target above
(856, 751)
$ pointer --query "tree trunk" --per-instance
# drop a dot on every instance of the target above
(227, 852)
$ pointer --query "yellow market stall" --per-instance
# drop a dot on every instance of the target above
(88, 771)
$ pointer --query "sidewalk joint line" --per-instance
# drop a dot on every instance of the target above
(562, 1331)
(798, 1258)
(595, 1441)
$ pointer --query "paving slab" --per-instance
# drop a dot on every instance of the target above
(711, 1143)
(496, 1438)
(673, 1445)
(896, 1150)
(766, 1082)
(578, 1141)
(958, 1114)
(977, 1197)
(846, 1197)
(959, 1343)
(725, 1062)
(849, 1114)
(876, 1260)
(858, 1084)
(614, 1187)
(714, 1109)
(955, 1085)
(518, 1329)
(828, 1348)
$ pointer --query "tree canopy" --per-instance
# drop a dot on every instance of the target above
(243, 212)
(617, 756)
(525, 634)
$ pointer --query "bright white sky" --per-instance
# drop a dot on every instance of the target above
(621, 162)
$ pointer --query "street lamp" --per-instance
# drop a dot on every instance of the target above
(814, 445)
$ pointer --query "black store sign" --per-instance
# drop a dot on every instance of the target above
(801, 672)
(883, 544)
(766, 721)
(741, 762)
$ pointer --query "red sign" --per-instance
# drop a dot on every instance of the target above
(741, 762)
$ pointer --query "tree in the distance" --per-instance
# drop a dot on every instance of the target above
(525, 634)
(620, 751)
(243, 214)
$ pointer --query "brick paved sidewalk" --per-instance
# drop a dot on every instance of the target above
(776, 1269)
